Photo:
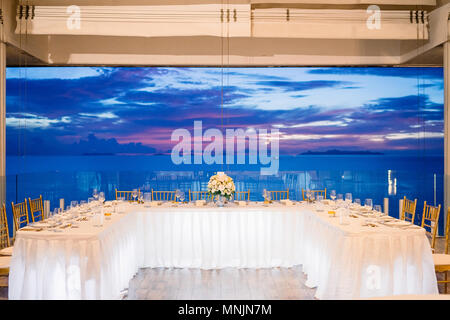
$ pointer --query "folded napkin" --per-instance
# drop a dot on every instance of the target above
(155, 203)
(200, 203)
(287, 202)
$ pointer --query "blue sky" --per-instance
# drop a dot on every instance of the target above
(78, 110)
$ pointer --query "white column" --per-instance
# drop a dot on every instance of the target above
(2, 122)
(446, 130)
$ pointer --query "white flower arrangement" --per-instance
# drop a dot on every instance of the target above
(221, 185)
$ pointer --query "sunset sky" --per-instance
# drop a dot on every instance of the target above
(80, 110)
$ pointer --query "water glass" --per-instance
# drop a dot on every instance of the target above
(147, 197)
(73, 204)
(340, 196)
(319, 198)
(95, 194)
(377, 208)
(101, 197)
(333, 194)
(358, 201)
(368, 203)
(91, 199)
(348, 197)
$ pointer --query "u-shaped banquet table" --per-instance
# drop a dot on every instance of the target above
(343, 261)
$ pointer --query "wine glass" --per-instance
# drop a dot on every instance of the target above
(134, 194)
(73, 204)
(368, 203)
(308, 194)
(182, 196)
(333, 194)
(95, 194)
(101, 197)
(264, 194)
(141, 197)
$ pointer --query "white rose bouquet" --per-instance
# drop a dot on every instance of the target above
(221, 185)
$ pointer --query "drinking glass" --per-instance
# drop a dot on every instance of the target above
(90, 199)
(340, 196)
(134, 194)
(358, 201)
(82, 202)
(348, 197)
(141, 197)
(73, 204)
(319, 198)
(101, 197)
(308, 194)
(182, 196)
(264, 194)
(368, 203)
(333, 194)
(377, 208)
(95, 194)
(147, 197)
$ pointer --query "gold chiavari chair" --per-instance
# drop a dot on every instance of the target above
(5, 260)
(316, 193)
(279, 195)
(430, 218)
(5, 242)
(242, 195)
(442, 260)
(20, 214)
(163, 195)
(409, 210)
(199, 195)
(36, 209)
(128, 195)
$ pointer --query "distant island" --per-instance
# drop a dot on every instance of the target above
(335, 152)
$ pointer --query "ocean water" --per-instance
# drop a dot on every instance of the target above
(365, 176)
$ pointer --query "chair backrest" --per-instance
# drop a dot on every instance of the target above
(447, 231)
(242, 195)
(4, 232)
(409, 209)
(430, 219)
(36, 209)
(316, 193)
(279, 195)
(20, 214)
(163, 195)
(128, 195)
(199, 195)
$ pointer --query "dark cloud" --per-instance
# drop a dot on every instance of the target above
(405, 72)
(141, 120)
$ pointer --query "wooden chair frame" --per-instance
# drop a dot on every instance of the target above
(199, 195)
(4, 231)
(445, 268)
(242, 195)
(128, 195)
(431, 214)
(20, 214)
(163, 196)
(409, 208)
(276, 195)
(316, 192)
(36, 205)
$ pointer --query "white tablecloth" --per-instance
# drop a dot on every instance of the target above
(342, 261)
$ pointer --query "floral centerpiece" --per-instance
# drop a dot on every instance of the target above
(221, 185)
